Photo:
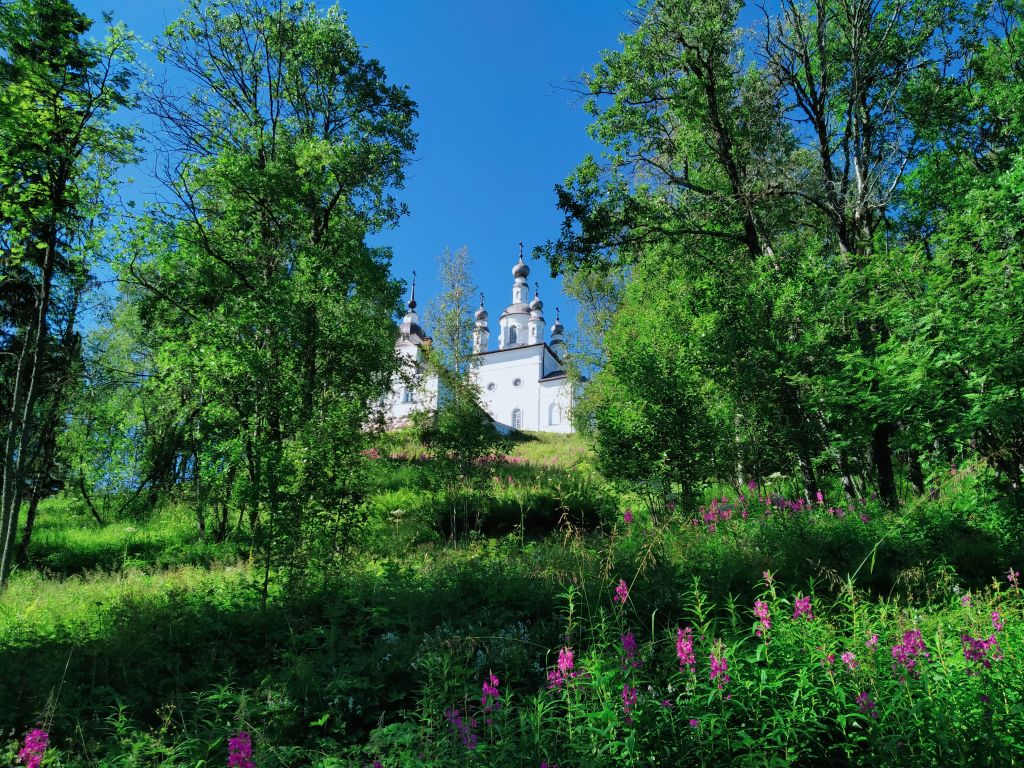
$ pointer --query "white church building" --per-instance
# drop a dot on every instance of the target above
(523, 385)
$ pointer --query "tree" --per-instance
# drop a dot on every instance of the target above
(460, 434)
(58, 150)
(270, 316)
(765, 169)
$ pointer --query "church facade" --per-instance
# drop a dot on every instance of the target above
(522, 383)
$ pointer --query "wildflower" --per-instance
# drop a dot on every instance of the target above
(1013, 577)
(36, 742)
(629, 697)
(627, 516)
(466, 731)
(802, 607)
(684, 649)
(490, 695)
(966, 600)
(864, 518)
(621, 593)
(564, 670)
(768, 578)
(978, 650)
(872, 642)
(997, 622)
(912, 646)
(867, 706)
(377, 764)
(667, 704)
(694, 722)
(763, 617)
(240, 751)
(821, 497)
(719, 670)
(850, 660)
(630, 647)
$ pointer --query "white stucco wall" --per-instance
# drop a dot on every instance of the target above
(497, 372)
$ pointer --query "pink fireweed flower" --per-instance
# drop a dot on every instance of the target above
(978, 650)
(802, 607)
(563, 671)
(36, 742)
(621, 593)
(627, 516)
(867, 706)
(850, 660)
(763, 616)
(629, 697)
(821, 497)
(630, 647)
(490, 696)
(997, 622)
(1013, 577)
(907, 652)
(719, 670)
(684, 649)
(966, 600)
(694, 722)
(466, 731)
(864, 518)
(872, 642)
(240, 751)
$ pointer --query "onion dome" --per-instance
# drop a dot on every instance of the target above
(412, 293)
(557, 328)
(481, 314)
(536, 305)
(521, 269)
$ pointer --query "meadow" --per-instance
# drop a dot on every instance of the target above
(563, 624)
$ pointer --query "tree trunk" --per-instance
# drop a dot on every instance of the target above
(881, 457)
(23, 399)
(916, 474)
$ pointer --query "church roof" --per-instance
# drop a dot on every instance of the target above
(519, 308)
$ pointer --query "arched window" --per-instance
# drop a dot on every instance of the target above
(513, 334)
(554, 415)
(517, 419)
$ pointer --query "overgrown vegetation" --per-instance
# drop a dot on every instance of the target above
(791, 533)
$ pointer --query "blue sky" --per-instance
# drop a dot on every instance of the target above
(498, 125)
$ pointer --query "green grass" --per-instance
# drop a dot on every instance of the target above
(147, 646)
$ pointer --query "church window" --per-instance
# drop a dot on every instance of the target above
(491, 387)
(407, 395)
(513, 335)
(517, 419)
(554, 417)
(517, 382)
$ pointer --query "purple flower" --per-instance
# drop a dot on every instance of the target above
(564, 670)
(630, 647)
(684, 649)
(490, 695)
(912, 646)
(966, 600)
(719, 670)
(240, 751)
(763, 616)
(872, 642)
(821, 497)
(850, 660)
(802, 607)
(997, 622)
(621, 593)
(627, 516)
(629, 697)
(36, 742)
(978, 650)
(1013, 577)
(466, 731)
(694, 722)
(867, 706)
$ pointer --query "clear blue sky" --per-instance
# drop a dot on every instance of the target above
(498, 125)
